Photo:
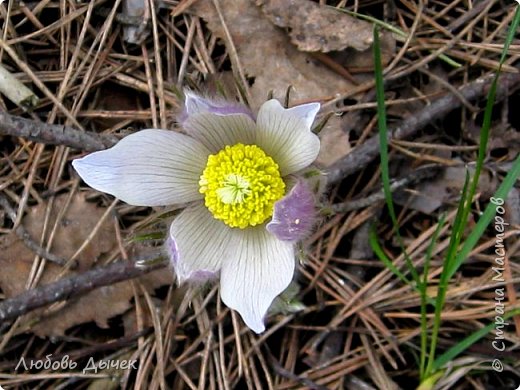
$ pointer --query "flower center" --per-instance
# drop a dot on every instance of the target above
(240, 185)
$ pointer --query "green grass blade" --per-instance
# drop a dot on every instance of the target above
(486, 217)
(148, 237)
(451, 268)
(374, 244)
(383, 149)
(456, 234)
(455, 258)
(510, 35)
(423, 294)
(477, 232)
(400, 34)
(460, 347)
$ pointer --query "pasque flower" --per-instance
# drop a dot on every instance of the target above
(237, 175)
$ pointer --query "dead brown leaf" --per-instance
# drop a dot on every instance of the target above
(317, 28)
(335, 143)
(16, 261)
(269, 58)
(267, 55)
(363, 61)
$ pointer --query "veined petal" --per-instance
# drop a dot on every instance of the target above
(294, 215)
(258, 269)
(286, 136)
(198, 244)
(195, 104)
(217, 131)
(147, 168)
(217, 123)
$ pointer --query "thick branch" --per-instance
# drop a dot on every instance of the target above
(365, 153)
(53, 134)
(423, 173)
(74, 286)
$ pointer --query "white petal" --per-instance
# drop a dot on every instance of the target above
(147, 168)
(285, 135)
(258, 269)
(216, 131)
(307, 112)
(201, 243)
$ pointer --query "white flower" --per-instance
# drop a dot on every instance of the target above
(241, 220)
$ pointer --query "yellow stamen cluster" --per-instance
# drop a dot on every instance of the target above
(240, 185)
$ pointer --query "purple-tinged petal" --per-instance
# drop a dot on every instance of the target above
(172, 250)
(217, 124)
(258, 268)
(195, 276)
(148, 168)
(286, 136)
(198, 244)
(195, 104)
(203, 276)
(294, 215)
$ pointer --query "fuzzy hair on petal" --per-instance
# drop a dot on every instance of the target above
(172, 250)
(294, 215)
(195, 104)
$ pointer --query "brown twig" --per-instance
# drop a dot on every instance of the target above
(365, 153)
(53, 134)
(468, 15)
(425, 172)
(74, 286)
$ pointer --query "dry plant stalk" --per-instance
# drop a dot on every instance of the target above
(16, 91)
